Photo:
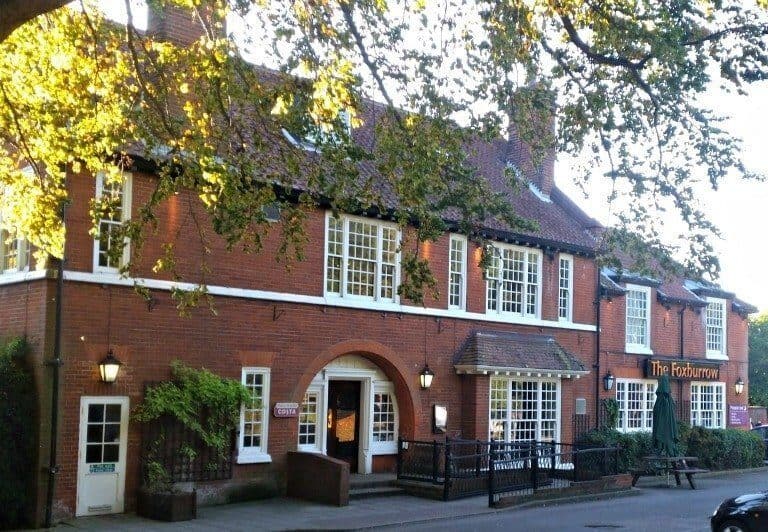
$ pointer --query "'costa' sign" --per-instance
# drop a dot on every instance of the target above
(286, 410)
(681, 369)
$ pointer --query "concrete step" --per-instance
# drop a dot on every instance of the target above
(377, 480)
(381, 491)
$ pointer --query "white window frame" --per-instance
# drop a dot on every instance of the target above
(498, 279)
(346, 219)
(384, 447)
(457, 268)
(311, 142)
(697, 418)
(125, 215)
(722, 353)
(317, 447)
(508, 430)
(22, 252)
(644, 348)
(646, 411)
(568, 259)
(252, 454)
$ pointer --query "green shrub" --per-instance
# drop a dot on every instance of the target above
(17, 435)
(716, 449)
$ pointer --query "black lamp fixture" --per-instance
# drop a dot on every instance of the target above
(425, 377)
(608, 381)
(738, 386)
(109, 367)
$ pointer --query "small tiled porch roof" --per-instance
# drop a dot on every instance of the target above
(510, 353)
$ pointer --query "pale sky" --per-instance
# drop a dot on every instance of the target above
(739, 208)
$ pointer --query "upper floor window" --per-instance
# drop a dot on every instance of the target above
(708, 404)
(14, 252)
(514, 282)
(252, 442)
(636, 399)
(361, 258)
(565, 291)
(638, 329)
(715, 326)
(114, 206)
(457, 275)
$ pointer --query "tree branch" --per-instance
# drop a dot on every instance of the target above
(14, 13)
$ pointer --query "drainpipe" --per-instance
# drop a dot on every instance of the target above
(597, 348)
(56, 363)
(682, 350)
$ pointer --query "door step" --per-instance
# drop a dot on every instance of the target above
(382, 491)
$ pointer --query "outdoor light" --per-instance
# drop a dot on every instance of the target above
(738, 386)
(608, 381)
(109, 367)
(425, 377)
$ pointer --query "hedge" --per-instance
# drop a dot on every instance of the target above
(717, 449)
(17, 436)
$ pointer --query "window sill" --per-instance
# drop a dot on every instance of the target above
(254, 459)
(638, 350)
(384, 448)
(716, 356)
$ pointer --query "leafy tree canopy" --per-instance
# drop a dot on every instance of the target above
(79, 92)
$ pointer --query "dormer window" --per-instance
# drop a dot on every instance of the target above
(311, 136)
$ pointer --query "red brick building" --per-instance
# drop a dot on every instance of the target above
(519, 350)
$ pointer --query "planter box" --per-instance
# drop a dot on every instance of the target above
(176, 506)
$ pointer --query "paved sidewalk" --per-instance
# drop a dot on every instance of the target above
(293, 514)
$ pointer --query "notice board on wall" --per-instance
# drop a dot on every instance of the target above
(738, 416)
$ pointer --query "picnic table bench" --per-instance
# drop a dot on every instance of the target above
(666, 465)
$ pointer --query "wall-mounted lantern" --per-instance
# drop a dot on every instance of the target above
(109, 367)
(738, 386)
(425, 377)
(608, 381)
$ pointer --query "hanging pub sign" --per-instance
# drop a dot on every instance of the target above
(682, 369)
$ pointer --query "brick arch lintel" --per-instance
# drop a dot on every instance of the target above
(393, 366)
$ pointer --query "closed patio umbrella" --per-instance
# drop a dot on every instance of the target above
(665, 434)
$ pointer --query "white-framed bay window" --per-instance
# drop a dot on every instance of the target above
(514, 282)
(361, 258)
(457, 272)
(636, 399)
(708, 404)
(310, 420)
(384, 419)
(115, 199)
(254, 418)
(524, 409)
(715, 321)
(565, 288)
(638, 319)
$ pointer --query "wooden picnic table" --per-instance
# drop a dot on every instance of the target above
(666, 465)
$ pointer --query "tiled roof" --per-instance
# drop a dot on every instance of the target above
(511, 352)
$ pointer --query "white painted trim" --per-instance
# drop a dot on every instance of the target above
(569, 310)
(723, 391)
(330, 301)
(257, 455)
(464, 252)
(644, 349)
(320, 420)
(648, 412)
(524, 303)
(385, 447)
(519, 372)
(22, 277)
(125, 215)
(722, 354)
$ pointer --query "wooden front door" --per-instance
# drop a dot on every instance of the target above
(344, 421)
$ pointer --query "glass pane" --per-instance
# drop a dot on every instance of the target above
(95, 413)
(112, 432)
(93, 454)
(113, 413)
(95, 433)
(111, 453)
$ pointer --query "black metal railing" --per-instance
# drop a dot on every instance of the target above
(462, 468)
(555, 465)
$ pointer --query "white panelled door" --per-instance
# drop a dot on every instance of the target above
(101, 455)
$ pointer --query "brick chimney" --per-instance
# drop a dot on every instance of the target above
(540, 173)
(177, 25)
